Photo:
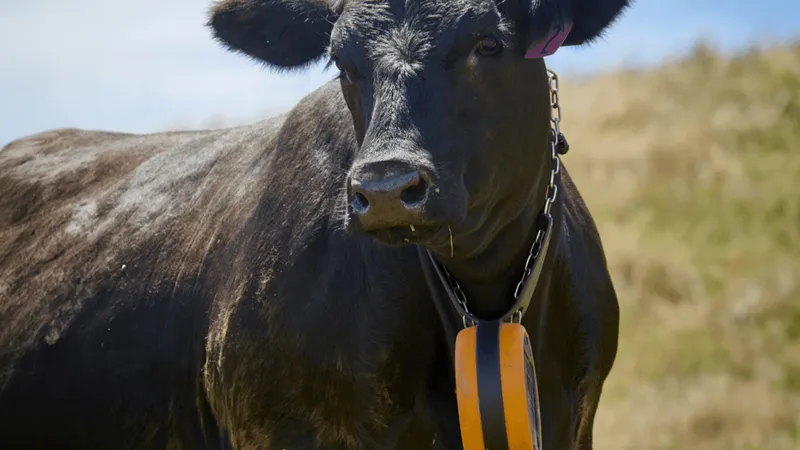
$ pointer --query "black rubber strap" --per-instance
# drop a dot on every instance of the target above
(440, 291)
(448, 289)
(490, 389)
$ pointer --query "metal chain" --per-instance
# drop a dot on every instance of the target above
(460, 296)
(552, 190)
(557, 142)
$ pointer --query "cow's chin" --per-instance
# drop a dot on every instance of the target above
(427, 235)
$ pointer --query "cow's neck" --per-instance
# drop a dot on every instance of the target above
(490, 277)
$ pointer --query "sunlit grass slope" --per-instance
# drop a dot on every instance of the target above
(692, 171)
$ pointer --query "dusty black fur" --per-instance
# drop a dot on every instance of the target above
(212, 289)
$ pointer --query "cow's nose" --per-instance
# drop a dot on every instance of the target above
(389, 200)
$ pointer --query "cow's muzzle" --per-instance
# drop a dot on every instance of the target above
(388, 194)
(395, 202)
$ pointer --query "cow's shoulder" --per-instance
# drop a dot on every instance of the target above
(92, 219)
(95, 222)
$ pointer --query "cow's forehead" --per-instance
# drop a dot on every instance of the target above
(376, 23)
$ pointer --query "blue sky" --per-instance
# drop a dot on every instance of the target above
(145, 65)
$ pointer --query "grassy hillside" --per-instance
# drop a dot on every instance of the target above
(693, 173)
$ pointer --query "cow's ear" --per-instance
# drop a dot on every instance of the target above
(568, 22)
(284, 34)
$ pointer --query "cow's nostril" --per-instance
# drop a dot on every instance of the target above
(415, 194)
(359, 204)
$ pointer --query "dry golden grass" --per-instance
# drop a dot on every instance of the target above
(693, 173)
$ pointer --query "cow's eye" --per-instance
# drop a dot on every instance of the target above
(343, 72)
(488, 46)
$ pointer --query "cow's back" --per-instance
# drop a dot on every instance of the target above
(107, 245)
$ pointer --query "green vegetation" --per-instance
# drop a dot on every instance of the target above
(693, 173)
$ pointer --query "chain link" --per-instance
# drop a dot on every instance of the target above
(550, 197)
(460, 297)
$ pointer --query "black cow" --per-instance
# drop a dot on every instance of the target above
(265, 286)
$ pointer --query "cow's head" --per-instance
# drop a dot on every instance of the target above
(451, 117)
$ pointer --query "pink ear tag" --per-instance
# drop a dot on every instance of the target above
(549, 44)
